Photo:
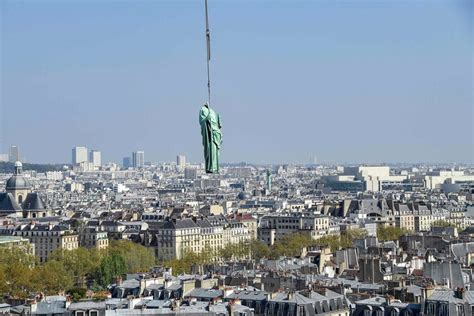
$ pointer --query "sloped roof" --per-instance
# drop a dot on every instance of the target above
(446, 295)
(295, 298)
(184, 223)
(33, 202)
(255, 295)
(204, 293)
(462, 249)
(203, 223)
(440, 271)
(8, 203)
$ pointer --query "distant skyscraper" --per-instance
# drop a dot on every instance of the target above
(14, 155)
(95, 158)
(79, 154)
(138, 159)
(181, 161)
(127, 162)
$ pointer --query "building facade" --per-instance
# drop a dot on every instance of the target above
(138, 159)
(48, 238)
(79, 155)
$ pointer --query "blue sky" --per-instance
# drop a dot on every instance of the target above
(345, 81)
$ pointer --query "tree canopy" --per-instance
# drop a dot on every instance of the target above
(390, 233)
(21, 275)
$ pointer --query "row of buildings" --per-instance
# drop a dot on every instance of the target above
(174, 209)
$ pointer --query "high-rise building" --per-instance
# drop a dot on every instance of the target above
(95, 158)
(14, 155)
(79, 154)
(181, 161)
(138, 159)
(127, 162)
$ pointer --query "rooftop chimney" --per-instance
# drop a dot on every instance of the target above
(460, 293)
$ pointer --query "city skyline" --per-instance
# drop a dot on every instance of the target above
(342, 81)
(330, 172)
(121, 161)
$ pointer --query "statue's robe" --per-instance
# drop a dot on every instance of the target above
(211, 137)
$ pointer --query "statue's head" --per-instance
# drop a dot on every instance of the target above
(206, 105)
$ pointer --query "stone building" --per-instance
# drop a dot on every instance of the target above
(19, 200)
(94, 237)
(172, 239)
(48, 238)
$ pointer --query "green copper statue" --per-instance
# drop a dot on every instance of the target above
(211, 137)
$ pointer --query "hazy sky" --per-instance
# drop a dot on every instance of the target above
(344, 81)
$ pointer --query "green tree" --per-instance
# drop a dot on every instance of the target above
(442, 223)
(206, 256)
(77, 293)
(184, 264)
(242, 250)
(111, 266)
(290, 245)
(137, 257)
(52, 278)
(390, 233)
(277, 250)
(347, 237)
(331, 241)
(79, 263)
(16, 272)
(258, 250)
(227, 252)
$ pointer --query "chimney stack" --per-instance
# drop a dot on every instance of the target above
(460, 293)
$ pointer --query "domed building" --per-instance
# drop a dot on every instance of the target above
(18, 185)
(244, 196)
(18, 198)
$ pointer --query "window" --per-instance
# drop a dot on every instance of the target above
(80, 313)
(93, 313)
(443, 310)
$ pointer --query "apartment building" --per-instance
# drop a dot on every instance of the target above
(48, 238)
(174, 238)
(275, 227)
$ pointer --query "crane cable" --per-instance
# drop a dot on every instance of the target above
(208, 44)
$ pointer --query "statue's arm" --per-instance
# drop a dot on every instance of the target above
(219, 121)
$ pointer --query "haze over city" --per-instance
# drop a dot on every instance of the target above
(345, 81)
